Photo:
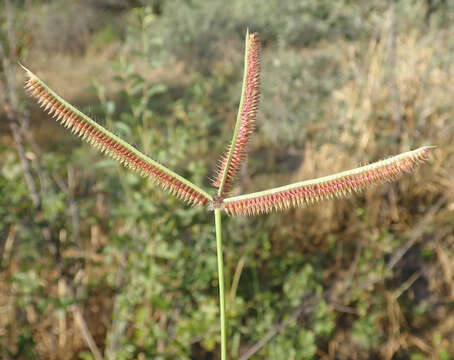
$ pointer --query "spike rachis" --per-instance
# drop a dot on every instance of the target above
(338, 185)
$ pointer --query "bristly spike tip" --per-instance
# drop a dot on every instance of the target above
(102, 139)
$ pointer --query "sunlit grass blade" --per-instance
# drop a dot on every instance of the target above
(102, 139)
(245, 123)
(338, 185)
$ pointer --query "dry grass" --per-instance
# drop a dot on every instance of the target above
(425, 87)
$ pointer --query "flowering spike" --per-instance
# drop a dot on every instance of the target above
(342, 184)
(102, 139)
(245, 123)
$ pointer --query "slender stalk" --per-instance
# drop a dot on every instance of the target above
(217, 217)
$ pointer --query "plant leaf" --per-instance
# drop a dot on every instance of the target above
(338, 185)
(102, 139)
(245, 122)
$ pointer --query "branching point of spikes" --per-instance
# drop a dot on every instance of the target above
(338, 185)
(107, 142)
(250, 93)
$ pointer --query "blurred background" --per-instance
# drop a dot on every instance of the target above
(96, 263)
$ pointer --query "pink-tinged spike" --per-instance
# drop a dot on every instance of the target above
(237, 150)
(101, 138)
(339, 185)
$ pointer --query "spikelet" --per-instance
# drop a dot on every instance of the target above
(237, 150)
(112, 145)
(338, 185)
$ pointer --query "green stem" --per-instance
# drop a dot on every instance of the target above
(217, 217)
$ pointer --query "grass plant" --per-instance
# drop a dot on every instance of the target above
(275, 199)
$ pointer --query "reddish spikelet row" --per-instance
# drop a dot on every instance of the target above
(338, 185)
(108, 143)
(248, 112)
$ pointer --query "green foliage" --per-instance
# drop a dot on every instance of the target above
(307, 82)
(198, 25)
(299, 345)
(365, 331)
